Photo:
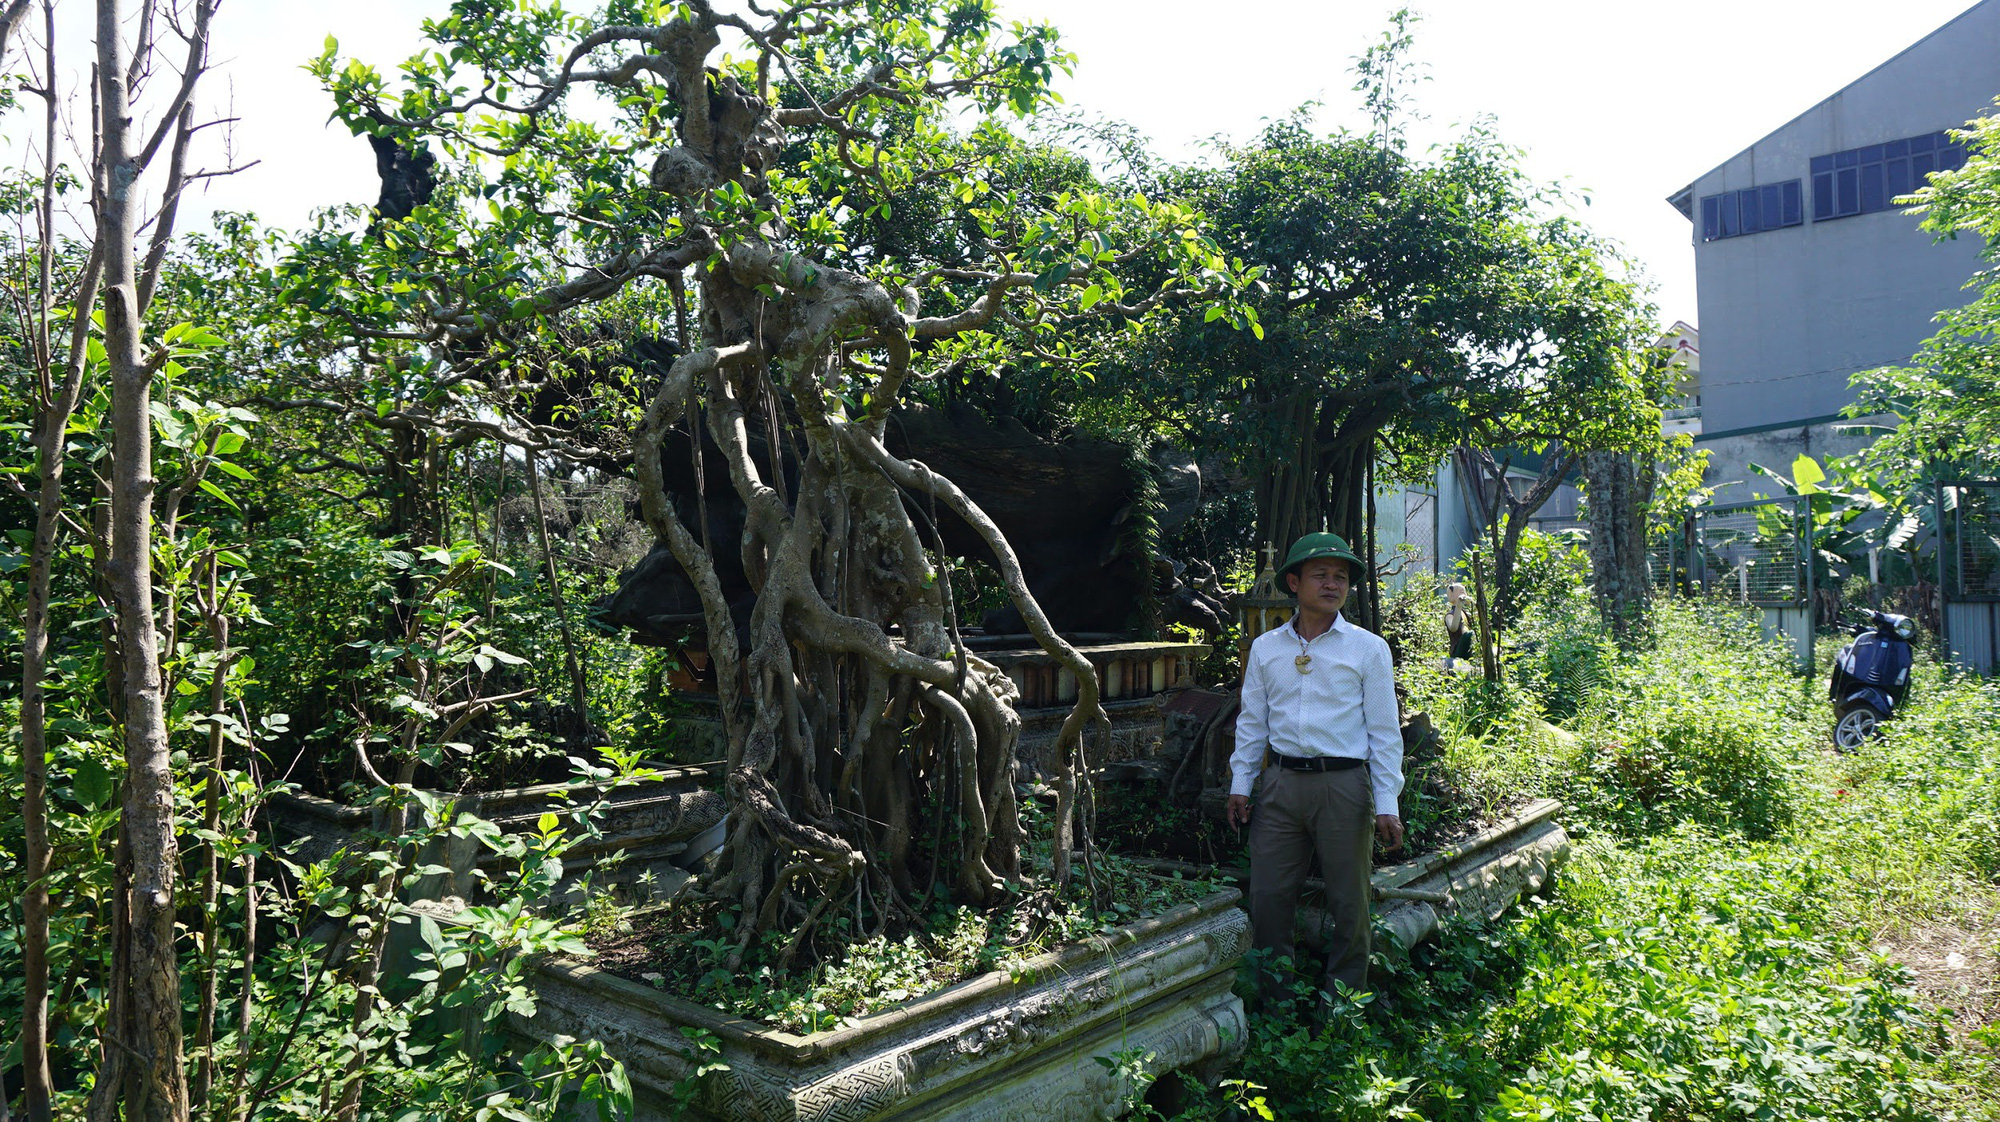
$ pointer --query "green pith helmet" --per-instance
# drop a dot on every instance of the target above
(1312, 547)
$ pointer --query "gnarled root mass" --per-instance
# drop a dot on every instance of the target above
(867, 746)
(866, 742)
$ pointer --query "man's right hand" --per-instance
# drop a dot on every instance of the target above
(1238, 810)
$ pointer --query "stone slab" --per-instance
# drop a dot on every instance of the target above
(1013, 1044)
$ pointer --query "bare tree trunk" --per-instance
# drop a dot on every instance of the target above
(11, 19)
(571, 661)
(1370, 615)
(214, 605)
(53, 410)
(1489, 655)
(143, 1061)
(499, 497)
(1621, 492)
(247, 994)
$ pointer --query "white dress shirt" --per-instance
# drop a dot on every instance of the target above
(1344, 706)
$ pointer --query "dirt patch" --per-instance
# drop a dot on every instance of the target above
(1956, 964)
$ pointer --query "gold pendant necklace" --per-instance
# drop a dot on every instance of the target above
(1304, 661)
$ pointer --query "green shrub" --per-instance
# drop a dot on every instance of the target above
(1413, 619)
(1562, 654)
(1550, 571)
(1706, 725)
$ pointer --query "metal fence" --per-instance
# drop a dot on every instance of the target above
(1968, 570)
(1666, 560)
(1420, 529)
(1556, 523)
(1757, 554)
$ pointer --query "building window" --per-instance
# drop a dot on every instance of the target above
(1751, 210)
(1865, 180)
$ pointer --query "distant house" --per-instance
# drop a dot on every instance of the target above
(1807, 272)
(1681, 411)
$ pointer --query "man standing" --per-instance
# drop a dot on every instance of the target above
(1319, 721)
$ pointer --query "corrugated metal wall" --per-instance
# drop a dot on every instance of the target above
(1974, 631)
(1795, 624)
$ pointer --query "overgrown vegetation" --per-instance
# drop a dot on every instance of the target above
(686, 950)
(1749, 926)
(327, 511)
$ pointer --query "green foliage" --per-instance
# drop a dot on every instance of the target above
(1551, 573)
(1564, 656)
(1413, 619)
(1837, 510)
(1685, 979)
(1707, 724)
(1924, 796)
(1677, 980)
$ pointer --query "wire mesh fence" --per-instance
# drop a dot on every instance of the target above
(1752, 553)
(1970, 560)
(1968, 571)
(1420, 519)
(1664, 554)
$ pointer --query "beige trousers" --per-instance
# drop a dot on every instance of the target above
(1298, 814)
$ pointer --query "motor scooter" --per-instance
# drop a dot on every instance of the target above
(1870, 677)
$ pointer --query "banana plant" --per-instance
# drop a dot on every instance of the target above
(1837, 514)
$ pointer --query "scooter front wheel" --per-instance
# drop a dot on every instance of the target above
(1854, 726)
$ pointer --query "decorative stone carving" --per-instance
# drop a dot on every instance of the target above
(1002, 1046)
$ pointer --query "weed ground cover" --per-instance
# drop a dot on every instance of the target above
(690, 949)
(1753, 927)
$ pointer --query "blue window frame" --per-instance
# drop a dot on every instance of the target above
(1752, 210)
(1867, 179)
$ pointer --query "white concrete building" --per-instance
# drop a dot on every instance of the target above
(1806, 270)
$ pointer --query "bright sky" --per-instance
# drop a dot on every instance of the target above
(1626, 102)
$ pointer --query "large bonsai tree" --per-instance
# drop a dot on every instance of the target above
(739, 171)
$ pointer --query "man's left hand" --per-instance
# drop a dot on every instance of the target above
(1389, 829)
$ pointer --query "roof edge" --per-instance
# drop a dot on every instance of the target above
(1796, 117)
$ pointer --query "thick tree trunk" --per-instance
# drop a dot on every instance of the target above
(142, 1045)
(1323, 483)
(1621, 492)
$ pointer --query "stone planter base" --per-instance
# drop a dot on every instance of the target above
(1019, 1045)
(1483, 875)
(645, 825)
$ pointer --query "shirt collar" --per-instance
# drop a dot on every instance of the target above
(1339, 624)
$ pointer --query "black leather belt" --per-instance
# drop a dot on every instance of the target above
(1317, 763)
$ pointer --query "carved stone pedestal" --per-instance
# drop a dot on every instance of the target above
(1020, 1045)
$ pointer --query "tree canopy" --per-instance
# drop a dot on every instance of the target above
(804, 212)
